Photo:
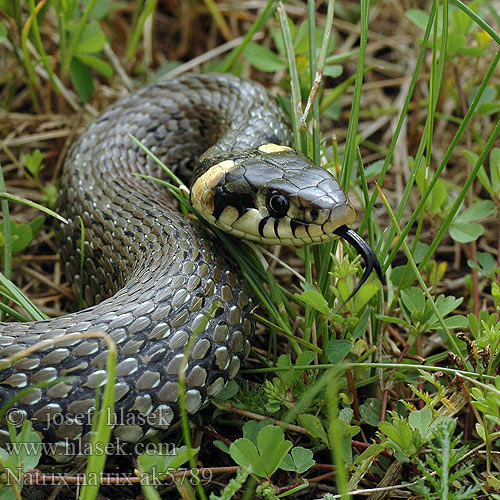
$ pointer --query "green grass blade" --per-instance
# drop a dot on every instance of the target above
(478, 20)
(82, 262)
(32, 204)
(26, 60)
(41, 50)
(18, 296)
(456, 205)
(458, 135)
(294, 78)
(101, 433)
(411, 260)
(12, 312)
(261, 20)
(397, 132)
(7, 249)
(350, 145)
(75, 39)
(133, 41)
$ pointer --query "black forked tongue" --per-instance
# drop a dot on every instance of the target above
(371, 261)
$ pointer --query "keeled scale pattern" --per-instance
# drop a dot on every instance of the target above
(153, 273)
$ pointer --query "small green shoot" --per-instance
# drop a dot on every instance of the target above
(465, 228)
(23, 455)
(406, 436)
(34, 163)
(22, 234)
(289, 384)
(264, 459)
(299, 460)
(442, 470)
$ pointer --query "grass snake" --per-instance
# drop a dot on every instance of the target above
(151, 275)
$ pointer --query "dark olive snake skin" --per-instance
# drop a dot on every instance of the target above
(153, 273)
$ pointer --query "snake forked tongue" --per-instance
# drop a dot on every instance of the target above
(371, 261)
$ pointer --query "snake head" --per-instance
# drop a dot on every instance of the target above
(272, 195)
(277, 195)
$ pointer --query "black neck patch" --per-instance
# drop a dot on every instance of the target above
(223, 199)
(262, 225)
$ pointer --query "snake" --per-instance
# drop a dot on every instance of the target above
(158, 283)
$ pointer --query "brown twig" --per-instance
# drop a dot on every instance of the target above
(66, 292)
(258, 416)
(352, 389)
(35, 477)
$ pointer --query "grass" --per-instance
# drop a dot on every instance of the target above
(404, 379)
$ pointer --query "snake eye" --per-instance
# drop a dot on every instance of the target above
(277, 204)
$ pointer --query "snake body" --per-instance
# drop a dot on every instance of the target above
(151, 276)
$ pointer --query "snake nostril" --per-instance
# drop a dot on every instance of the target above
(312, 215)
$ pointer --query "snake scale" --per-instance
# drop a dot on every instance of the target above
(151, 275)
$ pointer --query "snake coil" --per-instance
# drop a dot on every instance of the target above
(151, 276)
